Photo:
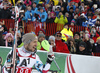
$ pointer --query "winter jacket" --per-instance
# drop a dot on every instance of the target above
(80, 21)
(5, 14)
(35, 9)
(96, 48)
(43, 15)
(66, 33)
(61, 20)
(87, 50)
(28, 16)
(61, 46)
(2, 42)
(95, 37)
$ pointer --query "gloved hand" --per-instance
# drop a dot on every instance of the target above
(30, 14)
(50, 55)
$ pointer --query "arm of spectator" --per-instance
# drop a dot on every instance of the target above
(26, 16)
(65, 20)
(67, 8)
(37, 1)
(45, 17)
(56, 20)
(89, 46)
(84, 24)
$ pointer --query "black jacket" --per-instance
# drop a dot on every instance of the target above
(5, 14)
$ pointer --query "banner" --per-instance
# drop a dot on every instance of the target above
(68, 63)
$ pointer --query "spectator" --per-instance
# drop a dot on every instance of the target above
(68, 18)
(5, 13)
(60, 46)
(81, 19)
(93, 33)
(21, 5)
(57, 11)
(4, 26)
(52, 42)
(42, 13)
(47, 6)
(75, 19)
(41, 31)
(83, 49)
(13, 13)
(19, 38)
(96, 46)
(77, 11)
(61, 20)
(11, 31)
(21, 30)
(71, 45)
(41, 37)
(27, 2)
(10, 7)
(81, 7)
(63, 10)
(61, 3)
(71, 13)
(66, 33)
(2, 43)
(51, 17)
(34, 8)
(90, 21)
(77, 39)
(9, 40)
(21, 18)
(29, 14)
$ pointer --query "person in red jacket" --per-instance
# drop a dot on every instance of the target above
(60, 46)
(94, 34)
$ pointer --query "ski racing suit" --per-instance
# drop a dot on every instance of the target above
(26, 60)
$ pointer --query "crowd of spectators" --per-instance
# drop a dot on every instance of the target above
(84, 13)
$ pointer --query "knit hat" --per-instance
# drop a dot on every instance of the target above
(41, 35)
(42, 31)
(52, 37)
(8, 35)
(28, 37)
(82, 44)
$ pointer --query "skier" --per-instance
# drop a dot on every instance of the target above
(26, 57)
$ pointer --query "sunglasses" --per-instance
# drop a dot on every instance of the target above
(58, 35)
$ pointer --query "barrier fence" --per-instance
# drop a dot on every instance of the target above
(68, 63)
(50, 28)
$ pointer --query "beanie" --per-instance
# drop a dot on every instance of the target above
(82, 44)
(28, 37)
(41, 35)
(52, 37)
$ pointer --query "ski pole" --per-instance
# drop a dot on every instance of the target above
(57, 65)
